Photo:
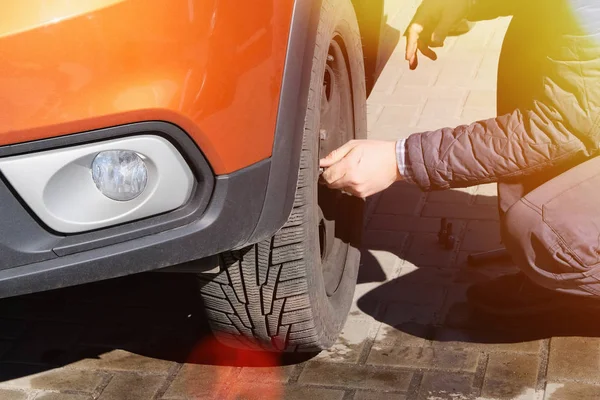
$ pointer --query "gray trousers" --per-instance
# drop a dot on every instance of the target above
(553, 230)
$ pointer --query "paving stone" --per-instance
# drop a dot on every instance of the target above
(436, 385)
(119, 360)
(447, 104)
(349, 345)
(487, 72)
(461, 196)
(355, 376)
(401, 96)
(6, 394)
(487, 194)
(402, 335)
(393, 119)
(571, 391)
(363, 395)
(425, 250)
(425, 357)
(404, 223)
(481, 236)
(427, 124)
(574, 358)
(485, 99)
(489, 341)
(400, 199)
(459, 211)
(373, 113)
(398, 313)
(425, 75)
(293, 392)
(510, 376)
(469, 115)
(198, 382)
(131, 387)
(57, 379)
(459, 72)
(63, 396)
(379, 265)
(266, 374)
(384, 240)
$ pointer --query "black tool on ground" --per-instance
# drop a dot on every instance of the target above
(476, 259)
(445, 235)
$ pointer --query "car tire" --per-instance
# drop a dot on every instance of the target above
(294, 291)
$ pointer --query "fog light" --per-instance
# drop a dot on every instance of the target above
(120, 174)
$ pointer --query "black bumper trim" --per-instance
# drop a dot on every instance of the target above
(228, 222)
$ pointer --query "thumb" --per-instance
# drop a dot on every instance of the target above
(338, 154)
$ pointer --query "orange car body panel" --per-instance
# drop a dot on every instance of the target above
(212, 67)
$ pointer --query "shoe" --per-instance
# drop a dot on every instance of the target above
(517, 295)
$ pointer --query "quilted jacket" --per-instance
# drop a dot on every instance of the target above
(548, 101)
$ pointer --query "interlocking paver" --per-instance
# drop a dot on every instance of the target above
(436, 385)
(355, 376)
(119, 360)
(131, 387)
(459, 211)
(488, 341)
(293, 392)
(425, 357)
(198, 382)
(511, 376)
(12, 395)
(63, 396)
(362, 395)
(411, 333)
(350, 344)
(574, 358)
(58, 379)
(572, 391)
(425, 250)
(482, 236)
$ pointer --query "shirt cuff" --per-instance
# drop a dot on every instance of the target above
(403, 161)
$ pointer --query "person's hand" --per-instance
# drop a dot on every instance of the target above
(361, 167)
(431, 24)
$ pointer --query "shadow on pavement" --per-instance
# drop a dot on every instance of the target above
(155, 315)
(428, 299)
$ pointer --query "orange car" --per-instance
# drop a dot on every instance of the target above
(137, 135)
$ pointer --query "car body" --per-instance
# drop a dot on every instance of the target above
(222, 85)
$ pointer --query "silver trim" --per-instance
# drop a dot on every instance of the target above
(57, 184)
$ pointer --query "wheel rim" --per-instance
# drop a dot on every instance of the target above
(336, 128)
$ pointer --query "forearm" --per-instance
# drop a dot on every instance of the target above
(497, 149)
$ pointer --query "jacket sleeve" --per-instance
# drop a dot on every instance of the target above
(497, 149)
(490, 9)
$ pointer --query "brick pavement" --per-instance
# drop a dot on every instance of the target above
(410, 334)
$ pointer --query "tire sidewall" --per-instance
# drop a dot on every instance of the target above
(330, 313)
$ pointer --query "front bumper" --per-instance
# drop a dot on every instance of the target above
(221, 215)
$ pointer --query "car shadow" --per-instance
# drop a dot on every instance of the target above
(156, 315)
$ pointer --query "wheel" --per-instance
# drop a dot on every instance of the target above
(294, 291)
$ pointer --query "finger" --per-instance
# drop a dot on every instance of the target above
(412, 40)
(427, 52)
(335, 175)
(337, 155)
